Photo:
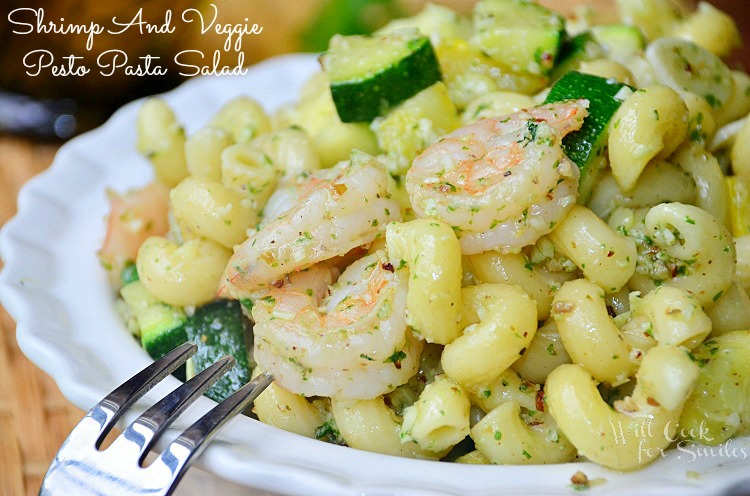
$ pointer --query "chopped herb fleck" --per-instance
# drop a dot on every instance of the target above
(396, 358)
(328, 429)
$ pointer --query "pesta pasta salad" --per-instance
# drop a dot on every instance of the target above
(507, 238)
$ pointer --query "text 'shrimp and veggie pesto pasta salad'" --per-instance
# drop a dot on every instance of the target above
(505, 237)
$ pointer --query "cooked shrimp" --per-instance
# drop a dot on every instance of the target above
(501, 183)
(357, 346)
(339, 209)
(281, 200)
(313, 281)
(290, 190)
(133, 217)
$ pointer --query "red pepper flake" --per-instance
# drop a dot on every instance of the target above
(388, 266)
(540, 400)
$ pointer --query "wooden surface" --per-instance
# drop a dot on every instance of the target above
(34, 417)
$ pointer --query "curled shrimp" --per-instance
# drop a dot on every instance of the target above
(338, 209)
(133, 217)
(357, 346)
(501, 183)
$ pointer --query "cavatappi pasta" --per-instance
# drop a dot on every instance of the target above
(431, 282)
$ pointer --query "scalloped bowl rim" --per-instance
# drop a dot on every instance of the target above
(52, 286)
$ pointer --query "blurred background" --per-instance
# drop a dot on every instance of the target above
(58, 107)
(288, 26)
(37, 114)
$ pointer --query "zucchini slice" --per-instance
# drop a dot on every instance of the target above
(719, 406)
(621, 42)
(469, 73)
(580, 48)
(218, 328)
(412, 126)
(371, 74)
(162, 325)
(519, 34)
(436, 21)
(586, 147)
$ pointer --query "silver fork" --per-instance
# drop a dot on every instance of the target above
(81, 468)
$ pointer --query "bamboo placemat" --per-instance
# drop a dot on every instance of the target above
(34, 416)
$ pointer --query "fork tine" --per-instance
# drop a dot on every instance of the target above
(119, 400)
(190, 444)
(147, 428)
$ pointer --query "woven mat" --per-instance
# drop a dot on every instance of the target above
(34, 416)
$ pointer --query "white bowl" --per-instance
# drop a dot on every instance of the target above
(54, 287)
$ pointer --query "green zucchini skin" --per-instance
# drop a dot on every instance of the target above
(372, 95)
(218, 329)
(587, 146)
(575, 50)
(158, 344)
(162, 326)
(129, 273)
